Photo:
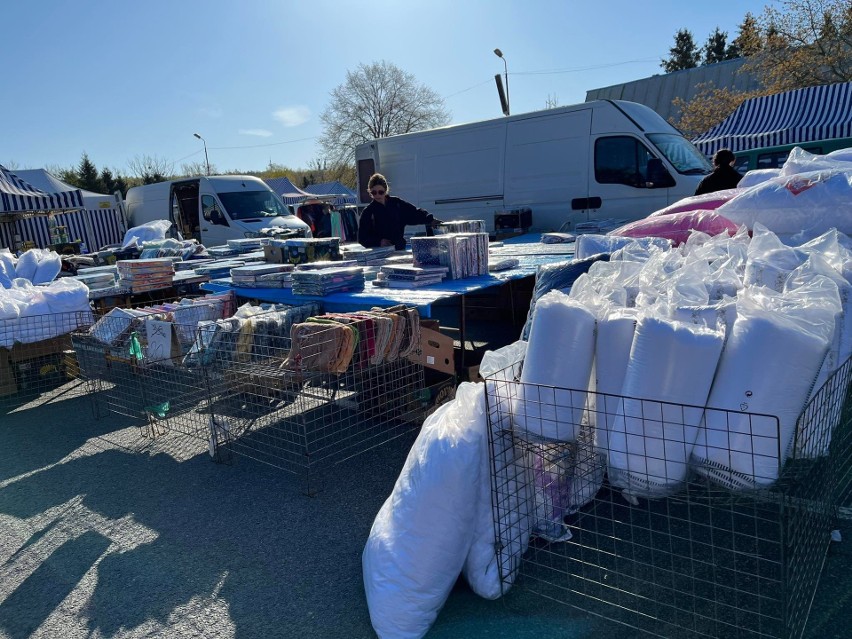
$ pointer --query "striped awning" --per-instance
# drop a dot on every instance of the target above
(792, 117)
(19, 196)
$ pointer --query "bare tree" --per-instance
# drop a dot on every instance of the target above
(150, 168)
(375, 101)
(191, 169)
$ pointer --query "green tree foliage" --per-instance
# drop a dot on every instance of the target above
(716, 49)
(87, 175)
(683, 55)
(707, 108)
(376, 100)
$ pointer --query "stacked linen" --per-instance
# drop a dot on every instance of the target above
(263, 276)
(461, 226)
(328, 280)
(247, 244)
(409, 276)
(315, 266)
(463, 254)
(98, 277)
(145, 275)
(222, 252)
(299, 250)
(366, 256)
(218, 268)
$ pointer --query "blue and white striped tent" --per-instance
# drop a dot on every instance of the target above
(26, 196)
(792, 117)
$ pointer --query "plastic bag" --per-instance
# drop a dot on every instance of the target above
(421, 536)
(138, 235)
(49, 265)
(671, 367)
(677, 227)
(806, 204)
(560, 276)
(757, 176)
(557, 368)
(703, 202)
(28, 264)
(801, 161)
(588, 245)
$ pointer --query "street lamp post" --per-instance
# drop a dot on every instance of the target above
(204, 142)
(499, 54)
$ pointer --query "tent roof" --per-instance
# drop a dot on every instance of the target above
(44, 181)
(18, 195)
(792, 117)
(288, 191)
(346, 195)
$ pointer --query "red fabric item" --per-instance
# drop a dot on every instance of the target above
(677, 226)
(706, 202)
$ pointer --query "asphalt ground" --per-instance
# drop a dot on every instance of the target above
(105, 533)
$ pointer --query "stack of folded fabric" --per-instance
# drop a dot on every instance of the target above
(410, 276)
(461, 226)
(247, 244)
(263, 276)
(557, 238)
(299, 250)
(503, 263)
(221, 252)
(98, 277)
(328, 280)
(218, 268)
(138, 276)
(598, 227)
(366, 256)
(464, 254)
(316, 266)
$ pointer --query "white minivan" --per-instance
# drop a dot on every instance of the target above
(212, 209)
(592, 161)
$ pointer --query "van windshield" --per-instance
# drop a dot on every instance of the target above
(244, 205)
(685, 158)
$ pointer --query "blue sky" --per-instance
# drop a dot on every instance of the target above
(121, 80)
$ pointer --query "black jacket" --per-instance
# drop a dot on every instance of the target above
(388, 221)
(722, 177)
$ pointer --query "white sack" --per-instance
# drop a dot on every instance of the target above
(757, 176)
(650, 441)
(613, 342)
(48, 268)
(556, 369)
(66, 295)
(27, 264)
(423, 532)
(768, 367)
(483, 565)
(150, 231)
(801, 161)
(7, 268)
(805, 203)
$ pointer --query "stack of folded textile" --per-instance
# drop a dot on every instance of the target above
(138, 276)
(328, 280)
(263, 276)
(464, 254)
(409, 276)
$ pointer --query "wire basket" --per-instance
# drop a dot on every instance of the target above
(313, 399)
(36, 354)
(680, 521)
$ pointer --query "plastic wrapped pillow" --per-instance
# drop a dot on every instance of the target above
(677, 227)
(27, 264)
(705, 202)
(591, 244)
(757, 176)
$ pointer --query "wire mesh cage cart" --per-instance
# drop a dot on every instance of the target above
(680, 521)
(36, 354)
(337, 386)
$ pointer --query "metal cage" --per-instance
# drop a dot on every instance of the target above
(680, 521)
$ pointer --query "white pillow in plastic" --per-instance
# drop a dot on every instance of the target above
(806, 204)
(423, 533)
(138, 235)
(671, 370)
(757, 176)
(841, 155)
(66, 295)
(767, 369)
(48, 268)
(801, 161)
(613, 342)
(590, 244)
(557, 368)
(27, 265)
(7, 269)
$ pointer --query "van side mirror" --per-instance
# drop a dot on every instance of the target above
(658, 176)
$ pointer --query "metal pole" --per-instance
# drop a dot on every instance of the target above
(499, 54)
(204, 142)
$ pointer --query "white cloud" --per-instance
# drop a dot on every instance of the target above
(261, 133)
(292, 116)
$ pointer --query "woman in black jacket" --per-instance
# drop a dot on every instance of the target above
(384, 220)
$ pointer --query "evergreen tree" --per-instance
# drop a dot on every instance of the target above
(683, 55)
(87, 175)
(121, 184)
(107, 180)
(714, 49)
(748, 41)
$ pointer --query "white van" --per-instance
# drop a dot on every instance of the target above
(212, 209)
(592, 161)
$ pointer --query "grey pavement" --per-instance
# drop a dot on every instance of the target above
(105, 533)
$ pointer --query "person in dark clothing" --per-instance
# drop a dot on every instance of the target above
(724, 175)
(384, 220)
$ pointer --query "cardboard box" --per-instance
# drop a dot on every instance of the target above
(471, 374)
(439, 389)
(437, 351)
(31, 350)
